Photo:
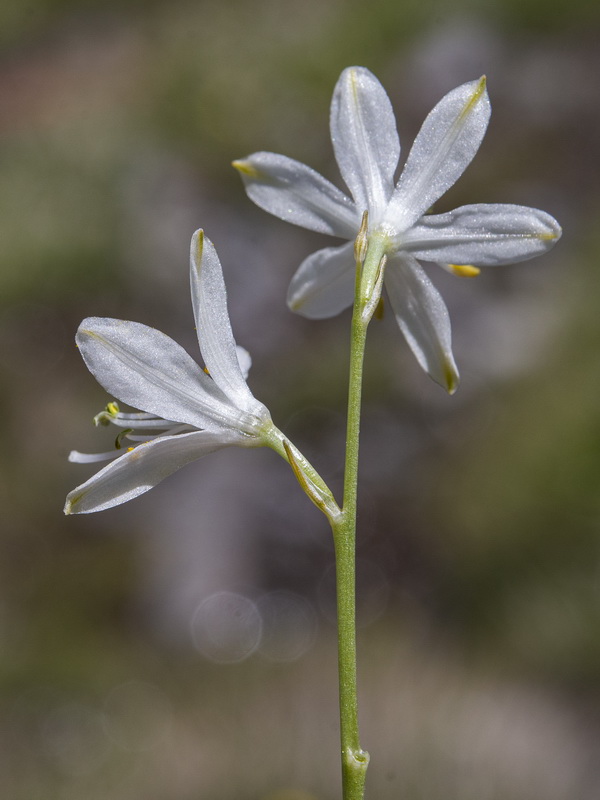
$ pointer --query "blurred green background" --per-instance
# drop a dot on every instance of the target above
(181, 647)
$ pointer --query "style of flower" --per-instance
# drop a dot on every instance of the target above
(187, 411)
(367, 150)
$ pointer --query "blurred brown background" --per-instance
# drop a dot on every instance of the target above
(181, 647)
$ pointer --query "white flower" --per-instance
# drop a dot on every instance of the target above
(367, 150)
(187, 411)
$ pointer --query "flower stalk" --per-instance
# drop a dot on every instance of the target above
(355, 760)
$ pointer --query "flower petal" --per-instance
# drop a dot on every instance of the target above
(423, 318)
(148, 370)
(297, 194)
(485, 235)
(324, 283)
(365, 139)
(209, 299)
(444, 147)
(143, 468)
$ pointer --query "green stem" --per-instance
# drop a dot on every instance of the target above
(354, 759)
(369, 277)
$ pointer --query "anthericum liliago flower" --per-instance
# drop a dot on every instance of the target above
(367, 150)
(187, 411)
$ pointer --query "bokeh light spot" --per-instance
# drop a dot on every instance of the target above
(289, 626)
(226, 627)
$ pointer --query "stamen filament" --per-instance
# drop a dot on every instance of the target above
(176, 429)
(136, 415)
(132, 422)
(88, 458)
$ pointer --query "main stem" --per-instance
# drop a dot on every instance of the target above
(354, 759)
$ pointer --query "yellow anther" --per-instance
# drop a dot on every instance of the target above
(105, 416)
(129, 449)
(205, 369)
(246, 168)
(121, 435)
(464, 270)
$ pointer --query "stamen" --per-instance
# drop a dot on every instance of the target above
(106, 416)
(157, 422)
(120, 436)
(136, 415)
(148, 437)
(88, 458)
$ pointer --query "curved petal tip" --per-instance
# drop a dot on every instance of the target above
(245, 168)
(197, 245)
(451, 377)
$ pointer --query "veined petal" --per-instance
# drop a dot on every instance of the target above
(365, 139)
(148, 370)
(484, 235)
(324, 283)
(423, 318)
(444, 147)
(217, 345)
(297, 194)
(144, 467)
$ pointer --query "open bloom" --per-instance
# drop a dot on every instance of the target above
(367, 150)
(187, 411)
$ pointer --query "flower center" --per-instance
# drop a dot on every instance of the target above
(136, 427)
